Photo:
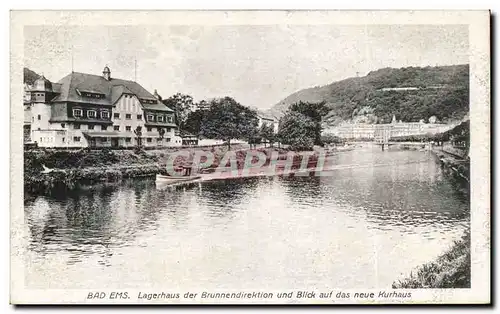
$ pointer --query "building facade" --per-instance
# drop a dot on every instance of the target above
(264, 118)
(86, 110)
(360, 131)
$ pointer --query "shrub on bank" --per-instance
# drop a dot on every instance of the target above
(68, 179)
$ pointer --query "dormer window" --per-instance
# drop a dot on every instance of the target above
(91, 114)
(77, 113)
(169, 119)
(89, 94)
(151, 117)
(160, 118)
(104, 114)
(148, 101)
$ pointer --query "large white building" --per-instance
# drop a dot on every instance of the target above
(84, 110)
(361, 131)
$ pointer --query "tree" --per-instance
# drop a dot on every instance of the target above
(182, 105)
(266, 132)
(331, 139)
(161, 132)
(297, 130)
(444, 92)
(226, 119)
(315, 112)
(138, 134)
(194, 120)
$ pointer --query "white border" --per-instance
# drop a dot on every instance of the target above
(480, 120)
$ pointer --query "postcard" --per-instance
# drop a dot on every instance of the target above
(250, 157)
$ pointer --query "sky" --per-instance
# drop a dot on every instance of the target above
(258, 65)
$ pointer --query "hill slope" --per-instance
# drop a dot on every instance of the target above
(30, 76)
(442, 91)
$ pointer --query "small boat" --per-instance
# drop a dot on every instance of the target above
(164, 178)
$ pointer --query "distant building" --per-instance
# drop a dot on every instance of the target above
(358, 131)
(265, 118)
(433, 119)
(186, 138)
(83, 110)
(398, 89)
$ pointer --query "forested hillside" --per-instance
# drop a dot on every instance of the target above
(30, 76)
(441, 91)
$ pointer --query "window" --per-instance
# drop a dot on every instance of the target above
(76, 138)
(91, 113)
(63, 125)
(104, 139)
(160, 118)
(158, 139)
(77, 113)
(128, 128)
(116, 128)
(104, 114)
(169, 119)
(151, 117)
(168, 130)
(168, 139)
(150, 129)
(149, 140)
(116, 115)
(127, 140)
(64, 140)
(76, 127)
(139, 117)
(91, 126)
(128, 116)
(104, 127)
(39, 117)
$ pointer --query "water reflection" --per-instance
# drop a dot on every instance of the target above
(256, 226)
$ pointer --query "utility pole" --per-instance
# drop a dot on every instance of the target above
(135, 69)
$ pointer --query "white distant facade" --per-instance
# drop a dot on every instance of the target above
(360, 131)
(267, 119)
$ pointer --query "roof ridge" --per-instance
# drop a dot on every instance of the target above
(69, 85)
(112, 78)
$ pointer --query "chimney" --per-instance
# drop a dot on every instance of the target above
(157, 96)
(106, 73)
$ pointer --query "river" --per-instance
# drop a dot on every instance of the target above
(358, 227)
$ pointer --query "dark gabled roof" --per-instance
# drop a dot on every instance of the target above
(117, 91)
(185, 134)
(265, 115)
(112, 90)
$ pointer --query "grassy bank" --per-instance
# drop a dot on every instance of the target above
(457, 166)
(51, 171)
(450, 270)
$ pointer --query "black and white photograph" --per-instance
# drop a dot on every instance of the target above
(250, 157)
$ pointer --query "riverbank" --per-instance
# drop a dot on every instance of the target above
(54, 171)
(454, 163)
(451, 269)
